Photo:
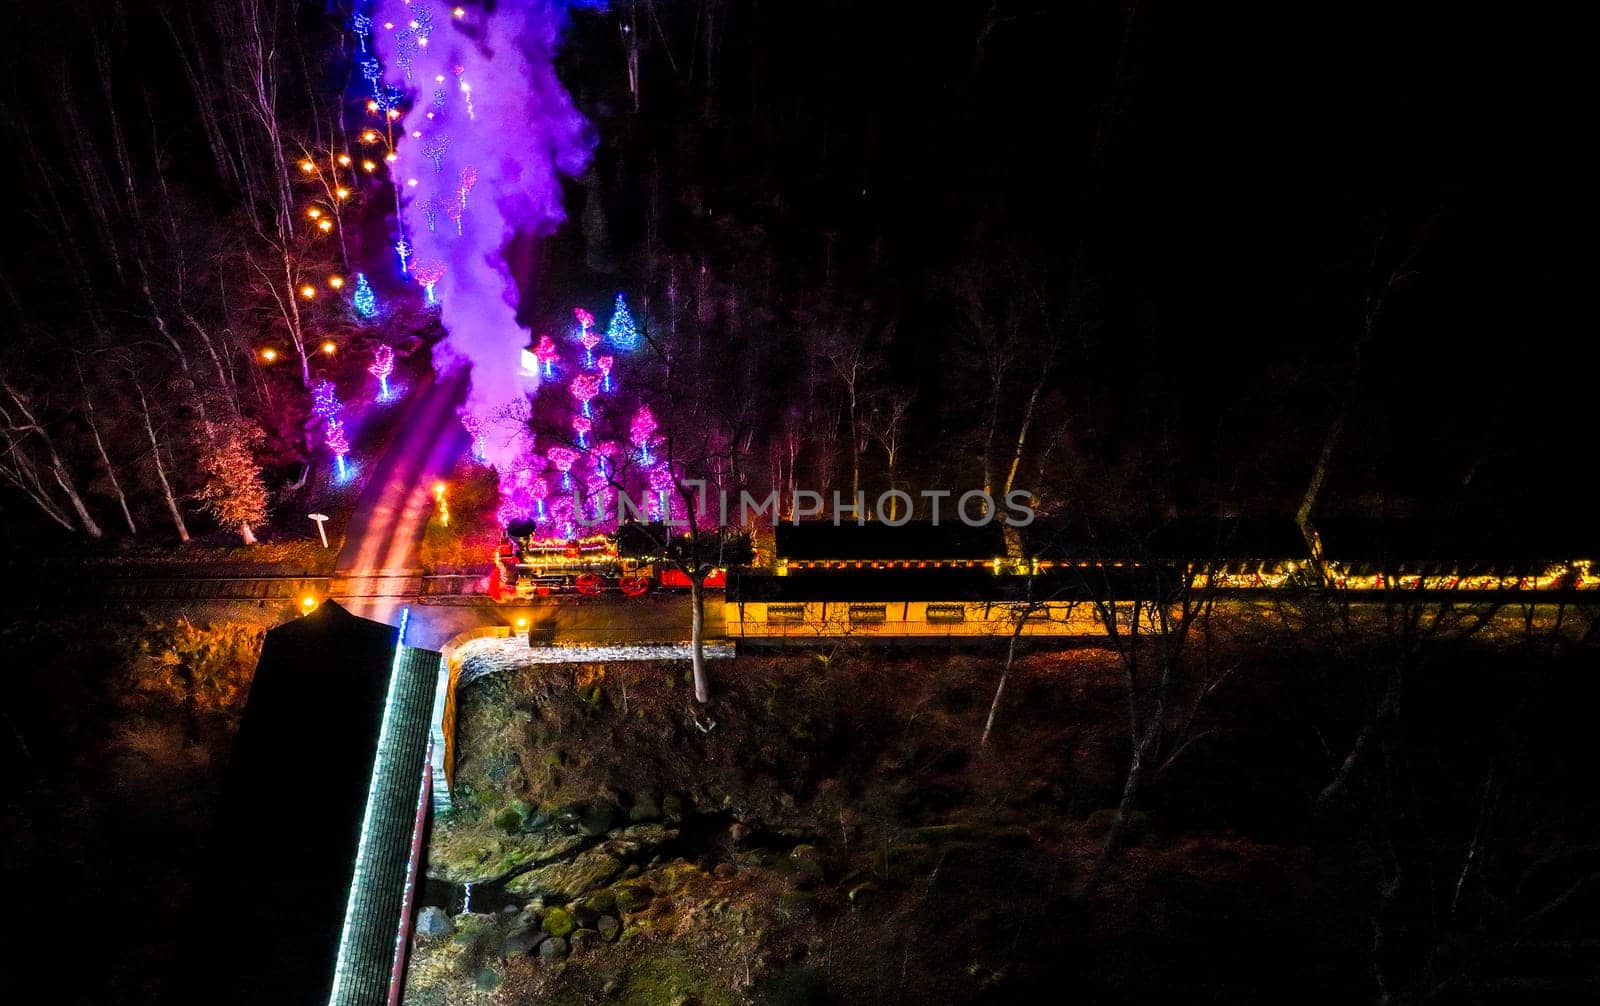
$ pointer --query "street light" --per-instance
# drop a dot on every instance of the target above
(322, 526)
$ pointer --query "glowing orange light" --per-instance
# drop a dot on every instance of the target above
(368, 166)
(344, 160)
(411, 182)
(313, 213)
(308, 602)
(393, 114)
(416, 134)
(372, 106)
(342, 193)
(522, 623)
(268, 355)
(307, 167)
(308, 291)
(328, 348)
(324, 226)
(388, 25)
(390, 157)
(370, 136)
(459, 12)
(337, 282)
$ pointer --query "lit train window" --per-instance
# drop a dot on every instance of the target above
(947, 613)
(786, 613)
(869, 612)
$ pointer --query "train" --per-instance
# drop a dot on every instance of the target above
(1078, 557)
(634, 560)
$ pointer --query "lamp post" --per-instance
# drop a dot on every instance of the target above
(322, 526)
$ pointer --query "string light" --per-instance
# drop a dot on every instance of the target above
(562, 458)
(371, 135)
(581, 425)
(453, 209)
(604, 363)
(428, 273)
(344, 160)
(325, 402)
(313, 213)
(324, 226)
(368, 166)
(339, 444)
(469, 178)
(342, 193)
(308, 291)
(269, 355)
(366, 305)
(382, 364)
(644, 424)
(475, 431)
(402, 248)
(436, 147)
(307, 167)
(372, 106)
(584, 387)
(622, 332)
(547, 354)
(328, 348)
(336, 282)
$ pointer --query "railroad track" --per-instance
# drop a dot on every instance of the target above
(287, 588)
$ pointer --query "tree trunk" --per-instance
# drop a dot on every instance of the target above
(100, 445)
(161, 471)
(697, 634)
(1000, 689)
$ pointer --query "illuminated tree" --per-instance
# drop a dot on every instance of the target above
(581, 425)
(622, 332)
(469, 178)
(325, 401)
(382, 366)
(584, 387)
(363, 299)
(339, 444)
(586, 335)
(562, 458)
(605, 363)
(475, 431)
(233, 491)
(547, 353)
(643, 426)
(428, 273)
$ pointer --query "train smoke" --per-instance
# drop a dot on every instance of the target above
(489, 131)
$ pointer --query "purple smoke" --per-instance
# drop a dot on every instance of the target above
(497, 128)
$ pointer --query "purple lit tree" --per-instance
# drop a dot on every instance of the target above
(325, 401)
(475, 431)
(562, 458)
(661, 483)
(538, 489)
(382, 366)
(469, 178)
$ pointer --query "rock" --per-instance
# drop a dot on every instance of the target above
(571, 879)
(632, 870)
(611, 988)
(633, 840)
(672, 807)
(725, 871)
(608, 926)
(584, 938)
(807, 852)
(632, 895)
(486, 979)
(597, 820)
(553, 949)
(599, 903)
(434, 922)
(559, 922)
(506, 855)
(645, 807)
(524, 940)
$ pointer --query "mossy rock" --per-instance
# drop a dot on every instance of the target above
(632, 895)
(568, 880)
(583, 938)
(797, 904)
(672, 807)
(630, 932)
(600, 903)
(596, 820)
(558, 922)
(508, 821)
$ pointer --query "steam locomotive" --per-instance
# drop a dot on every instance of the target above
(634, 560)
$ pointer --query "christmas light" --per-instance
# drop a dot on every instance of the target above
(336, 282)
(325, 400)
(581, 425)
(369, 166)
(538, 489)
(339, 445)
(371, 70)
(436, 147)
(341, 192)
(329, 347)
(661, 482)
(605, 363)
(402, 247)
(372, 106)
(622, 332)
(313, 213)
(453, 209)
(583, 388)
(430, 212)
(308, 291)
(269, 355)
(344, 160)
(428, 273)
(382, 364)
(365, 301)
(361, 24)
(324, 226)
(469, 178)
(307, 167)
(562, 458)
(371, 135)
(547, 354)
(644, 424)
(459, 12)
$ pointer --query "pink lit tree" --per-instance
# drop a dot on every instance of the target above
(428, 273)
(583, 388)
(547, 354)
(581, 425)
(475, 431)
(562, 458)
(382, 367)
(661, 484)
(605, 363)
(538, 489)
(587, 336)
(640, 432)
